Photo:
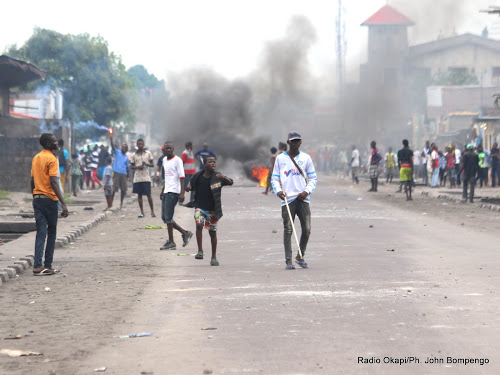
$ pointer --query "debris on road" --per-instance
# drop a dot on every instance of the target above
(360, 199)
(100, 369)
(88, 208)
(148, 226)
(183, 255)
(133, 335)
(371, 226)
(390, 250)
(16, 337)
(209, 329)
(47, 289)
(19, 353)
(275, 231)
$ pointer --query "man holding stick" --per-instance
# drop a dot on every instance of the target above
(293, 180)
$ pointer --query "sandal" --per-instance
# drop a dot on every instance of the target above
(140, 216)
(301, 263)
(290, 267)
(45, 272)
(198, 256)
(214, 262)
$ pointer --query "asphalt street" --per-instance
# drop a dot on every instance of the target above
(390, 282)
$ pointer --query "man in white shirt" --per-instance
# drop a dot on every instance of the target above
(294, 179)
(458, 154)
(355, 164)
(172, 192)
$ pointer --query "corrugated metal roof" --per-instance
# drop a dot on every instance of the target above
(16, 72)
(387, 15)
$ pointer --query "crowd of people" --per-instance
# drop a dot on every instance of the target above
(432, 166)
(291, 182)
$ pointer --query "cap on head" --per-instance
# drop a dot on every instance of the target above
(293, 136)
(470, 146)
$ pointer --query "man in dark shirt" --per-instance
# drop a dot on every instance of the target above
(405, 163)
(203, 154)
(103, 155)
(470, 167)
(495, 155)
(207, 185)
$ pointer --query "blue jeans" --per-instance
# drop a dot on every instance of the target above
(435, 176)
(46, 227)
(100, 172)
(167, 207)
(303, 211)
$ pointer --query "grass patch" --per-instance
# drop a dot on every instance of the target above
(4, 194)
(68, 199)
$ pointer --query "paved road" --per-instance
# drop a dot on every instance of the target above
(385, 282)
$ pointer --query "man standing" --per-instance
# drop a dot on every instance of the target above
(355, 164)
(172, 192)
(202, 154)
(294, 179)
(120, 170)
(142, 160)
(63, 163)
(434, 165)
(495, 155)
(390, 165)
(425, 151)
(405, 163)
(93, 167)
(374, 164)
(46, 195)
(470, 168)
(458, 154)
(188, 163)
(103, 155)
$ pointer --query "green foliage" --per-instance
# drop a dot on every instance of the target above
(4, 194)
(96, 85)
(143, 80)
(452, 78)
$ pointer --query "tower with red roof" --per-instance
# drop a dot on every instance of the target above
(383, 78)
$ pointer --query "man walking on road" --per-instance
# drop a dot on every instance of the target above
(207, 185)
(470, 168)
(405, 163)
(46, 195)
(355, 164)
(142, 160)
(495, 155)
(120, 170)
(172, 192)
(374, 164)
(294, 179)
(189, 168)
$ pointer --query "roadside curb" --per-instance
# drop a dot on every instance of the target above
(488, 206)
(20, 265)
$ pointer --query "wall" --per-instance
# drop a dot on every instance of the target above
(15, 162)
(473, 57)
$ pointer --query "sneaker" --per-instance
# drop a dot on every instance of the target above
(168, 246)
(186, 237)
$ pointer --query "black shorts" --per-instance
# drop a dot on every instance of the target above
(142, 188)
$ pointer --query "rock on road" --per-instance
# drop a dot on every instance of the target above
(386, 280)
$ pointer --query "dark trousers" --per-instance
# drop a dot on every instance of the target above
(472, 181)
(494, 175)
(457, 172)
(482, 176)
(303, 211)
(46, 228)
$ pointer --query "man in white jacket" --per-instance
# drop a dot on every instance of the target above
(294, 178)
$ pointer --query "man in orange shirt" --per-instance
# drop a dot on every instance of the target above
(46, 194)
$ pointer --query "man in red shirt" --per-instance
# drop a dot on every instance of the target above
(189, 168)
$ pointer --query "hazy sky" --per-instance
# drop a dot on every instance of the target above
(227, 35)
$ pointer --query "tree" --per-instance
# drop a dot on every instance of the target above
(143, 80)
(95, 83)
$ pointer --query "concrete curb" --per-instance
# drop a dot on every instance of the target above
(20, 265)
(492, 207)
